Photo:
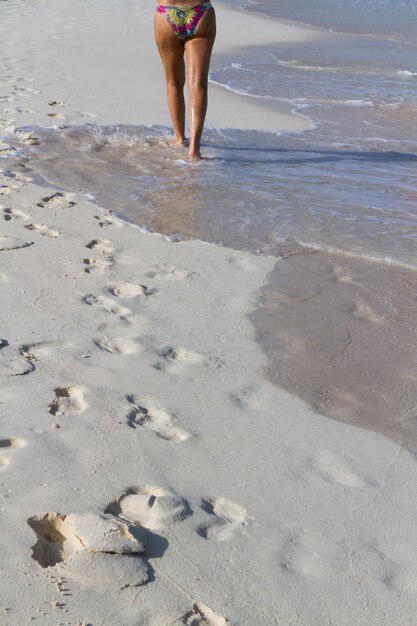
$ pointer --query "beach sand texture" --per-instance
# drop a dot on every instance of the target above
(150, 473)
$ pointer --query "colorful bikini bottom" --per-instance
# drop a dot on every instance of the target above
(184, 21)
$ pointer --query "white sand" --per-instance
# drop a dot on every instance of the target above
(136, 389)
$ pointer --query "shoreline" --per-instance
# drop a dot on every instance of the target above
(135, 134)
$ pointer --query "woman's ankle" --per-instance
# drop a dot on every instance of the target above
(194, 150)
(195, 154)
(178, 140)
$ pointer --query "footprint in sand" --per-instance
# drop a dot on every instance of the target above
(23, 178)
(100, 246)
(153, 508)
(60, 536)
(12, 243)
(41, 350)
(86, 114)
(14, 214)
(339, 470)
(229, 517)
(44, 230)
(58, 103)
(364, 312)
(107, 304)
(68, 401)
(21, 110)
(339, 275)
(131, 290)
(15, 366)
(178, 360)
(57, 116)
(96, 265)
(111, 573)
(5, 190)
(156, 419)
(25, 90)
(7, 446)
(105, 249)
(202, 615)
(6, 150)
(6, 121)
(4, 462)
(57, 200)
(309, 554)
(245, 263)
(170, 272)
(379, 558)
(120, 344)
(27, 137)
(108, 221)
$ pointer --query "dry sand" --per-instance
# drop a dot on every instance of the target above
(150, 474)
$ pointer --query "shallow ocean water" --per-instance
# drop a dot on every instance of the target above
(254, 191)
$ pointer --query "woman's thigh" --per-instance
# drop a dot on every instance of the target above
(171, 50)
(198, 49)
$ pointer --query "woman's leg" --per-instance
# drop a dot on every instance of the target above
(198, 53)
(171, 50)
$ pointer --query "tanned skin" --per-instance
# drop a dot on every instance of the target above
(193, 53)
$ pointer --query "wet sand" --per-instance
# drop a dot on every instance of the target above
(340, 333)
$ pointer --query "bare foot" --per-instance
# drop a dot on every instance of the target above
(178, 142)
(195, 155)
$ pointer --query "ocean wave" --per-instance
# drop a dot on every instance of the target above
(369, 257)
(302, 243)
(240, 92)
(322, 102)
(407, 73)
(297, 102)
(349, 70)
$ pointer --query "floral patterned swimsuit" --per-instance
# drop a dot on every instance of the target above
(184, 21)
